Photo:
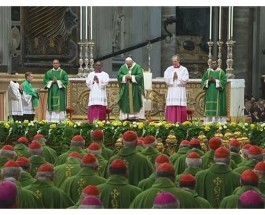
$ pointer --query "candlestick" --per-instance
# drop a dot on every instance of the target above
(91, 32)
(220, 22)
(81, 23)
(211, 17)
(232, 22)
(86, 23)
(229, 23)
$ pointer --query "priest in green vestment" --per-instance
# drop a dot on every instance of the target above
(56, 81)
(214, 83)
(131, 83)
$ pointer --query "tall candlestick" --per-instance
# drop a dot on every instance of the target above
(211, 17)
(86, 23)
(91, 32)
(220, 22)
(81, 17)
(232, 22)
(229, 23)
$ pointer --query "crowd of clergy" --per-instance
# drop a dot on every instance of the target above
(138, 175)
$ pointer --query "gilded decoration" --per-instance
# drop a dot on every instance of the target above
(78, 92)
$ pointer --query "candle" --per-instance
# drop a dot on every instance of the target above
(211, 17)
(232, 21)
(91, 32)
(86, 23)
(220, 22)
(81, 23)
(147, 80)
(229, 23)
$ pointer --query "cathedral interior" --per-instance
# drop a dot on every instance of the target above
(31, 37)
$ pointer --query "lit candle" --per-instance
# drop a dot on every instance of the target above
(229, 23)
(220, 22)
(81, 23)
(86, 23)
(232, 22)
(211, 17)
(91, 32)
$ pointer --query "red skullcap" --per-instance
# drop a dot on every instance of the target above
(89, 159)
(35, 145)
(97, 134)
(247, 146)
(234, 142)
(149, 139)
(22, 160)
(187, 178)
(22, 140)
(10, 163)
(94, 146)
(77, 138)
(249, 175)
(140, 140)
(162, 159)
(129, 136)
(254, 150)
(91, 190)
(215, 143)
(221, 152)
(74, 154)
(184, 142)
(8, 191)
(195, 141)
(8, 148)
(38, 136)
(165, 167)
(117, 164)
(193, 155)
(260, 166)
(46, 168)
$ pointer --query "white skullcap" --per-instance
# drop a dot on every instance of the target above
(128, 59)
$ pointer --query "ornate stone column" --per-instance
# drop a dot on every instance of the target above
(5, 26)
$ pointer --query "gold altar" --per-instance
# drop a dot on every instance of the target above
(78, 92)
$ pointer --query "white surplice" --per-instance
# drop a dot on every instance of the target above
(14, 99)
(98, 92)
(176, 94)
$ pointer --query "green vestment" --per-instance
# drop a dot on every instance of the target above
(181, 151)
(73, 186)
(49, 195)
(64, 171)
(117, 193)
(21, 150)
(250, 164)
(146, 198)
(56, 95)
(63, 157)
(130, 95)
(217, 182)
(26, 179)
(139, 167)
(199, 202)
(231, 201)
(148, 182)
(28, 89)
(214, 99)
(150, 153)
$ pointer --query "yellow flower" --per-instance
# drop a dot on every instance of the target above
(53, 126)
(168, 125)
(207, 128)
(42, 122)
(140, 125)
(26, 121)
(233, 124)
(7, 126)
(125, 123)
(252, 126)
(187, 123)
(70, 123)
(100, 124)
(152, 124)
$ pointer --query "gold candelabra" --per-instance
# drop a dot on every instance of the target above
(229, 62)
(219, 44)
(210, 56)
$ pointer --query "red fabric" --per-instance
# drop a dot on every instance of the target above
(96, 112)
(176, 114)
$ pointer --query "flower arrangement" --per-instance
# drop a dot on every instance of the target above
(59, 135)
